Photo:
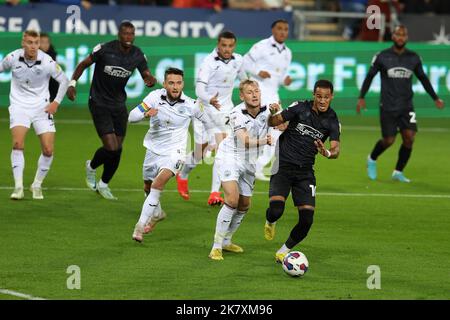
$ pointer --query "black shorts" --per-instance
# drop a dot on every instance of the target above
(301, 181)
(111, 119)
(392, 121)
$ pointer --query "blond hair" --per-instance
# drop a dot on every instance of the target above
(30, 33)
(247, 82)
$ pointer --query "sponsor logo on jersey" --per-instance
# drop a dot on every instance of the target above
(115, 71)
(306, 130)
(399, 73)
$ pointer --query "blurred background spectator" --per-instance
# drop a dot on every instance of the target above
(391, 10)
(351, 26)
(47, 47)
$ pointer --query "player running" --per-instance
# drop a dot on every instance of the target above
(115, 62)
(170, 112)
(396, 65)
(235, 164)
(311, 123)
(214, 89)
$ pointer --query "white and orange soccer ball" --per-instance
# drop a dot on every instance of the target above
(295, 264)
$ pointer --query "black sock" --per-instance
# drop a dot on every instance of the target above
(275, 210)
(99, 158)
(299, 232)
(377, 150)
(403, 157)
(110, 165)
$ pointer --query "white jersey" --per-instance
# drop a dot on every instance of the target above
(256, 127)
(168, 131)
(218, 76)
(29, 84)
(273, 57)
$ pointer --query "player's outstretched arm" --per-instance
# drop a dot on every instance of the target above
(332, 153)
(71, 91)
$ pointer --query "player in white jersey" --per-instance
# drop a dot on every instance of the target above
(267, 62)
(30, 104)
(170, 113)
(214, 89)
(235, 163)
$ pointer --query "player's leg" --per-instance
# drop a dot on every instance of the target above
(404, 154)
(280, 185)
(47, 140)
(215, 197)
(304, 196)
(193, 158)
(150, 168)
(151, 202)
(242, 209)
(113, 145)
(389, 130)
(18, 134)
(225, 217)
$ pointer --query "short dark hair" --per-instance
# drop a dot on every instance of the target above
(44, 35)
(126, 24)
(322, 83)
(227, 35)
(173, 71)
(278, 21)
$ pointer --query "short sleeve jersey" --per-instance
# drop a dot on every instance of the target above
(296, 143)
(112, 70)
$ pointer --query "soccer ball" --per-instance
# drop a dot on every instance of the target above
(295, 264)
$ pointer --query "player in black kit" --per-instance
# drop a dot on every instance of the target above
(396, 65)
(311, 123)
(115, 62)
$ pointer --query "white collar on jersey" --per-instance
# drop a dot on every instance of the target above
(280, 46)
(218, 58)
(181, 99)
(245, 111)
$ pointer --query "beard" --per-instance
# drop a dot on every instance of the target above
(399, 46)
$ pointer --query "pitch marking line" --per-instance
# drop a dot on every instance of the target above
(337, 194)
(19, 294)
(345, 127)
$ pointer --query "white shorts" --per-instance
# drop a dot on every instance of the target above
(41, 121)
(154, 163)
(232, 170)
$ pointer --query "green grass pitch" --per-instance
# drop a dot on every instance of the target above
(402, 228)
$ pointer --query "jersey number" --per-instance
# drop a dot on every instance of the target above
(313, 190)
(413, 117)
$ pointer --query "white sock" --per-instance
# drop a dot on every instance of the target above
(150, 205)
(44, 164)
(101, 184)
(215, 185)
(222, 225)
(370, 158)
(234, 225)
(89, 166)
(189, 165)
(284, 249)
(18, 164)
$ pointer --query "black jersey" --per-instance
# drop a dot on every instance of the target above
(296, 143)
(113, 68)
(396, 79)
